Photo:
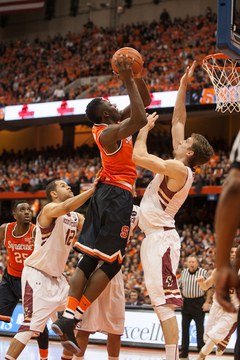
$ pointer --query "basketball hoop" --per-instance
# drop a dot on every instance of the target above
(225, 77)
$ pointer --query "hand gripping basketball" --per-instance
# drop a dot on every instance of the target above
(131, 54)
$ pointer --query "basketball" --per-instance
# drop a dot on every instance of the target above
(132, 53)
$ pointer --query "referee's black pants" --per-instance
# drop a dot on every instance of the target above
(192, 310)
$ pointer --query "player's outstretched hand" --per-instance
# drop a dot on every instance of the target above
(152, 118)
(188, 74)
(226, 280)
(97, 178)
(200, 279)
(124, 69)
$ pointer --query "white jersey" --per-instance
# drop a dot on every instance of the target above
(233, 298)
(133, 221)
(53, 244)
(159, 205)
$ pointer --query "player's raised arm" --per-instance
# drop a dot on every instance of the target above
(57, 190)
(171, 168)
(137, 119)
(179, 113)
(143, 91)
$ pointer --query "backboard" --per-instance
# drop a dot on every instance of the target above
(228, 28)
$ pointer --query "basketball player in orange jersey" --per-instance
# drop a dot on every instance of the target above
(106, 227)
(17, 238)
(160, 249)
(44, 288)
(107, 313)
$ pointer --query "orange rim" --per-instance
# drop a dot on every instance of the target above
(219, 56)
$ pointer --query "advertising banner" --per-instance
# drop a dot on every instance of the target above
(77, 107)
(142, 329)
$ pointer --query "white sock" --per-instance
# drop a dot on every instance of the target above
(78, 313)
(206, 349)
(8, 357)
(113, 358)
(77, 357)
(171, 352)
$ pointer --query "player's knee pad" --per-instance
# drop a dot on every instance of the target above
(24, 336)
(87, 265)
(164, 312)
(42, 339)
(111, 269)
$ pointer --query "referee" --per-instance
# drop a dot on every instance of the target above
(194, 303)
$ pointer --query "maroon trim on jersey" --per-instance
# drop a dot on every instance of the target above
(24, 328)
(223, 344)
(27, 308)
(164, 190)
(46, 232)
(169, 281)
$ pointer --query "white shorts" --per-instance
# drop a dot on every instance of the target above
(42, 297)
(107, 313)
(160, 252)
(220, 325)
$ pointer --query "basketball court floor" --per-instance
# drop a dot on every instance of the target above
(94, 352)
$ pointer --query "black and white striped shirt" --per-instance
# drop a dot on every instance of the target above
(235, 153)
(188, 284)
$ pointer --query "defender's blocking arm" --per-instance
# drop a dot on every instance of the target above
(179, 113)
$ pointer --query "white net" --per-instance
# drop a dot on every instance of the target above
(225, 76)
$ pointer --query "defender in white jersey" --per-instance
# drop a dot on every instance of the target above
(220, 323)
(107, 313)
(44, 288)
(164, 196)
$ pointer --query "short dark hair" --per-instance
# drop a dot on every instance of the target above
(134, 291)
(194, 256)
(51, 187)
(203, 151)
(92, 111)
(19, 202)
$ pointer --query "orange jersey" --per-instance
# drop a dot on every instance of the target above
(18, 248)
(118, 167)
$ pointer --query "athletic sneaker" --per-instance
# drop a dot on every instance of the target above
(76, 321)
(63, 327)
